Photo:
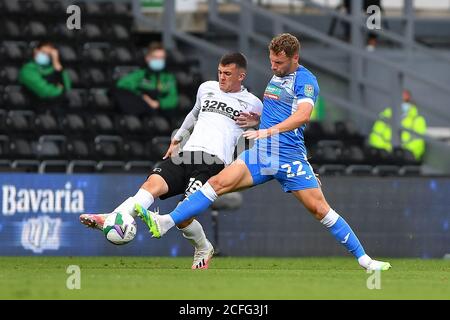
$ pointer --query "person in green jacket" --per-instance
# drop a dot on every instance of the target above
(44, 79)
(151, 89)
(381, 135)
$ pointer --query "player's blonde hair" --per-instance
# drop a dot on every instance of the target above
(285, 42)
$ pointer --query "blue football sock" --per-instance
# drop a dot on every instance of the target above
(192, 206)
(345, 235)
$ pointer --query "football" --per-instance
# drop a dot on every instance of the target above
(119, 228)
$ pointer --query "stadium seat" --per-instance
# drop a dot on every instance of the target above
(62, 33)
(78, 149)
(159, 147)
(101, 124)
(119, 32)
(185, 103)
(136, 150)
(68, 54)
(25, 165)
(51, 147)
(122, 55)
(95, 77)
(158, 125)
(20, 121)
(73, 124)
(9, 75)
(4, 146)
(12, 51)
(108, 147)
(76, 98)
(111, 167)
(21, 148)
(82, 166)
(130, 124)
(332, 169)
(313, 133)
(46, 8)
(328, 151)
(143, 167)
(74, 77)
(11, 7)
(404, 157)
(99, 98)
(385, 170)
(92, 8)
(5, 165)
(46, 123)
(352, 155)
(359, 170)
(92, 32)
(12, 30)
(94, 55)
(36, 29)
(410, 170)
(53, 166)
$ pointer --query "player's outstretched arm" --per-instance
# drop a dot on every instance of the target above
(298, 118)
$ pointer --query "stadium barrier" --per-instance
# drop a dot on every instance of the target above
(392, 216)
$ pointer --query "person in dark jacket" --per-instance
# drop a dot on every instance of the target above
(151, 89)
(44, 79)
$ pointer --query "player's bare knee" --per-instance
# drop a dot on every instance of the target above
(218, 184)
(155, 185)
(185, 223)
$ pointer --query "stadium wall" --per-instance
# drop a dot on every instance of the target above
(401, 217)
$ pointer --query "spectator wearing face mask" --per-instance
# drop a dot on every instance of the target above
(381, 135)
(44, 79)
(151, 89)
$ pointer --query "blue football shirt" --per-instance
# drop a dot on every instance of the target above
(281, 99)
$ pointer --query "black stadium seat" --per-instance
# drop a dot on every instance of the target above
(159, 147)
(68, 54)
(109, 147)
(21, 149)
(110, 167)
(74, 76)
(122, 55)
(12, 51)
(137, 150)
(142, 167)
(78, 149)
(130, 124)
(89, 132)
(76, 98)
(36, 29)
(74, 124)
(46, 123)
(20, 121)
(102, 124)
(51, 147)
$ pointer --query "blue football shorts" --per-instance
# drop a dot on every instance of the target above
(292, 170)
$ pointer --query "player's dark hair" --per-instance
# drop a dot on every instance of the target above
(236, 58)
(285, 42)
(153, 46)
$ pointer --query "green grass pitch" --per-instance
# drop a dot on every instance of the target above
(227, 278)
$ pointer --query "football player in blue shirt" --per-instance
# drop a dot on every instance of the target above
(279, 153)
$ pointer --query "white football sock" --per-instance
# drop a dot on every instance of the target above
(195, 234)
(364, 261)
(330, 219)
(209, 192)
(165, 223)
(143, 197)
